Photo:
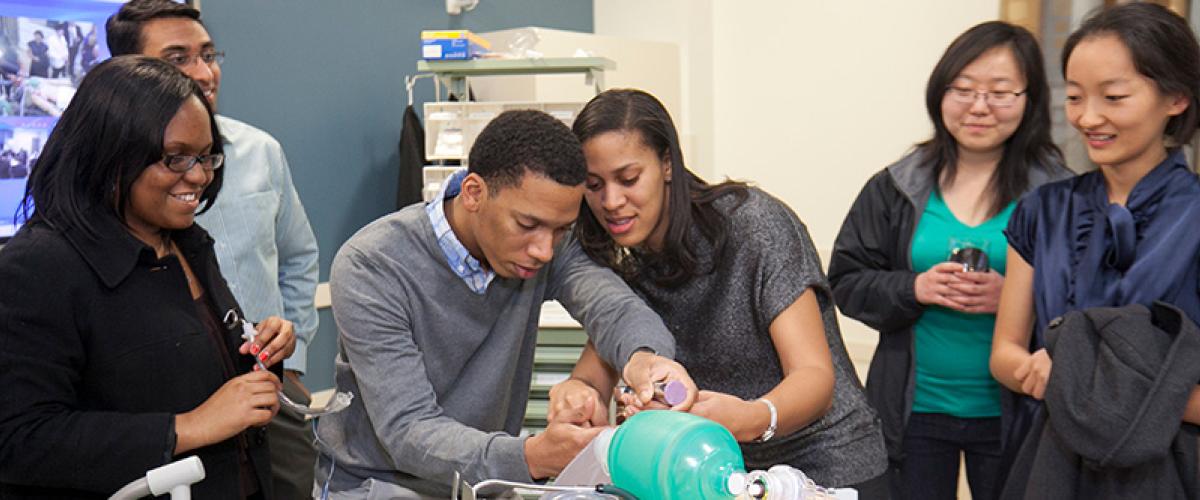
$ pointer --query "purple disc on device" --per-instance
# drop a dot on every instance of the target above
(674, 392)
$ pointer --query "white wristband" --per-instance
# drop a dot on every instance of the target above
(770, 432)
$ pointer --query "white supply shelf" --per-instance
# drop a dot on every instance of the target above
(453, 74)
(432, 177)
(451, 127)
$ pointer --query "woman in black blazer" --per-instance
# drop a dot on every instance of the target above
(115, 355)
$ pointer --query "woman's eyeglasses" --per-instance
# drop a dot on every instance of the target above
(182, 163)
(995, 98)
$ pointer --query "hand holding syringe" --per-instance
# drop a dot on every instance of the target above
(666, 393)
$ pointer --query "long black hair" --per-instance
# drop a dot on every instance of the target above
(689, 198)
(111, 132)
(1163, 49)
(1029, 145)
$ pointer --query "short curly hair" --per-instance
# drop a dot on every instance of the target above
(522, 141)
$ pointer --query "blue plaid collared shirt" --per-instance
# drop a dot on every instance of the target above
(461, 262)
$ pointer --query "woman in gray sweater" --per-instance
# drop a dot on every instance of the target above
(736, 278)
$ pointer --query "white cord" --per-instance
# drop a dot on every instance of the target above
(332, 463)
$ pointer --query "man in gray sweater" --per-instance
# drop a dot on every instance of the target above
(437, 308)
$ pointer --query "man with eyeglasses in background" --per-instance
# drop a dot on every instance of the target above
(264, 244)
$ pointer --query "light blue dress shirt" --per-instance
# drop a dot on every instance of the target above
(461, 262)
(264, 244)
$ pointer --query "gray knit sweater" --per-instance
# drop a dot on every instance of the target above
(440, 374)
(720, 321)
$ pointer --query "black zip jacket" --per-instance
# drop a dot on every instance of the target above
(872, 278)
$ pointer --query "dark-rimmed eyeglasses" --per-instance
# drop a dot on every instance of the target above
(182, 163)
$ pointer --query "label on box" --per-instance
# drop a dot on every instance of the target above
(459, 49)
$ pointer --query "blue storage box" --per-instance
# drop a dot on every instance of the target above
(455, 45)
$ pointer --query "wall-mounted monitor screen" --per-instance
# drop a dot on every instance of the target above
(46, 46)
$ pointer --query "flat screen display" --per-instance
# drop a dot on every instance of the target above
(46, 46)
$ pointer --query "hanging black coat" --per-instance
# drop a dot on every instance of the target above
(412, 159)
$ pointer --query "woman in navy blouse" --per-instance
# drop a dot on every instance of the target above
(1123, 234)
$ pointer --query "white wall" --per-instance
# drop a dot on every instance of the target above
(650, 64)
(689, 24)
(811, 109)
(805, 98)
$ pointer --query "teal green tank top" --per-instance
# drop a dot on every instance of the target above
(952, 347)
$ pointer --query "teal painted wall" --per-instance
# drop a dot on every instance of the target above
(326, 78)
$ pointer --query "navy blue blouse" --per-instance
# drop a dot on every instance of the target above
(1086, 252)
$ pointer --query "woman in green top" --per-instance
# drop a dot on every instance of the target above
(910, 259)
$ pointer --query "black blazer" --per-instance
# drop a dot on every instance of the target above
(101, 345)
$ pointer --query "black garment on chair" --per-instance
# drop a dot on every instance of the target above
(412, 159)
